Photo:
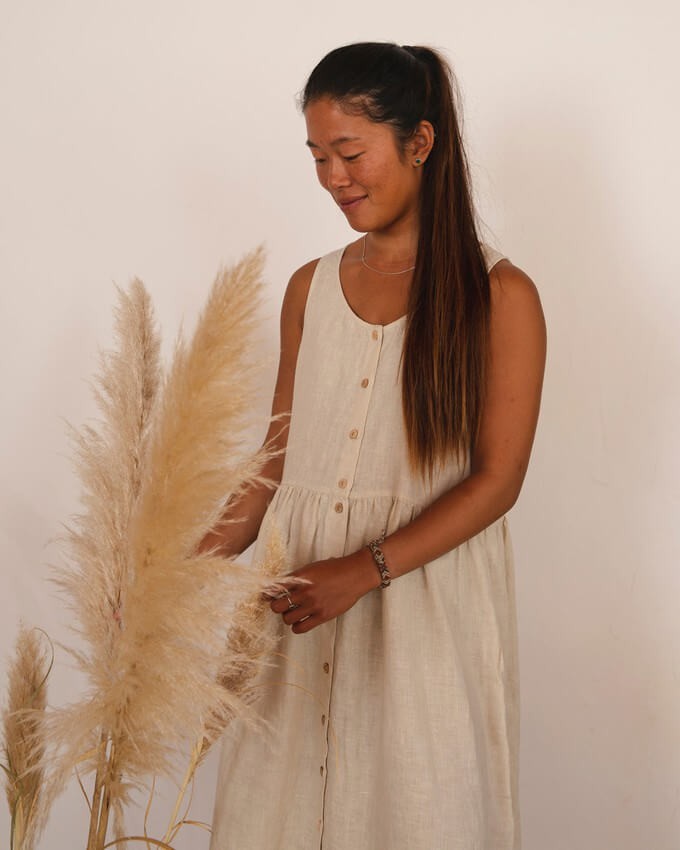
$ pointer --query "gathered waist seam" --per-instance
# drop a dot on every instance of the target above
(352, 495)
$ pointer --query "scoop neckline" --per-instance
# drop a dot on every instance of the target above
(498, 256)
(348, 307)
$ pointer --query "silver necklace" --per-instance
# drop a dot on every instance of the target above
(377, 271)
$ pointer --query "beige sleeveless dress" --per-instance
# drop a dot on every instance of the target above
(395, 726)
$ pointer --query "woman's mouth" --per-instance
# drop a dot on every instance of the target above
(348, 204)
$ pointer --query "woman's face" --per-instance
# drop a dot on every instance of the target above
(359, 163)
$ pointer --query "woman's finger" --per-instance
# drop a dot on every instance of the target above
(283, 603)
(296, 614)
(305, 625)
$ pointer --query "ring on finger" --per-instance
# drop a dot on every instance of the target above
(291, 604)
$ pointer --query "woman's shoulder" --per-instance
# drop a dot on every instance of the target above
(515, 301)
(295, 296)
(301, 278)
(506, 280)
(509, 281)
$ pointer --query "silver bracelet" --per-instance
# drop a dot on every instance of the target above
(379, 558)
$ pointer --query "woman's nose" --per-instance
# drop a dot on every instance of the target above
(336, 176)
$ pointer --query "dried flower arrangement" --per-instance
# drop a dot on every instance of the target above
(173, 636)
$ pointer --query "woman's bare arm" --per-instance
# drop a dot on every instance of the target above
(242, 517)
(501, 456)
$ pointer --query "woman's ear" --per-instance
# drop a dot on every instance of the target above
(421, 143)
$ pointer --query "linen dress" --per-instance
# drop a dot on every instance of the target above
(394, 726)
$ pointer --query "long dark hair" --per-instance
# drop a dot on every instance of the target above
(446, 344)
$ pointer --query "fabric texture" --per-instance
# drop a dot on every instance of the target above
(396, 725)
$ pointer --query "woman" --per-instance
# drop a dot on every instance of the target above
(409, 381)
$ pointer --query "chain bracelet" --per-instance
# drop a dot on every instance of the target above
(379, 558)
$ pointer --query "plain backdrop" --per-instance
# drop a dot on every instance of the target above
(161, 139)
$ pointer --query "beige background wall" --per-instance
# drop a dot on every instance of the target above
(161, 138)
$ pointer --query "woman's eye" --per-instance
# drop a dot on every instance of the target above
(319, 161)
(352, 158)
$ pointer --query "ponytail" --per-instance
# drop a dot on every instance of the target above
(446, 343)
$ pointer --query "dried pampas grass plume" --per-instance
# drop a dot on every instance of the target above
(153, 610)
(109, 460)
(201, 426)
(174, 615)
(23, 746)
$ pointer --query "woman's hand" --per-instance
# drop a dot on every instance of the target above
(334, 586)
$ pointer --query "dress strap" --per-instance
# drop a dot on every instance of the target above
(321, 289)
(491, 256)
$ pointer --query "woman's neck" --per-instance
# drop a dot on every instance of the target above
(391, 250)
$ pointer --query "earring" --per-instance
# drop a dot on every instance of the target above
(418, 161)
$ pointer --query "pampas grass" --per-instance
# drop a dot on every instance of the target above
(174, 623)
(173, 636)
(109, 462)
(23, 743)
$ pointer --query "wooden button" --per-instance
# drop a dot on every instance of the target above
(364, 383)
(375, 334)
(321, 770)
(326, 667)
(353, 434)
(338, 508)
(323, 719)
(342, 483)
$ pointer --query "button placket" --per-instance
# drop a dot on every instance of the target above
(339, 503)
(359, 412)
